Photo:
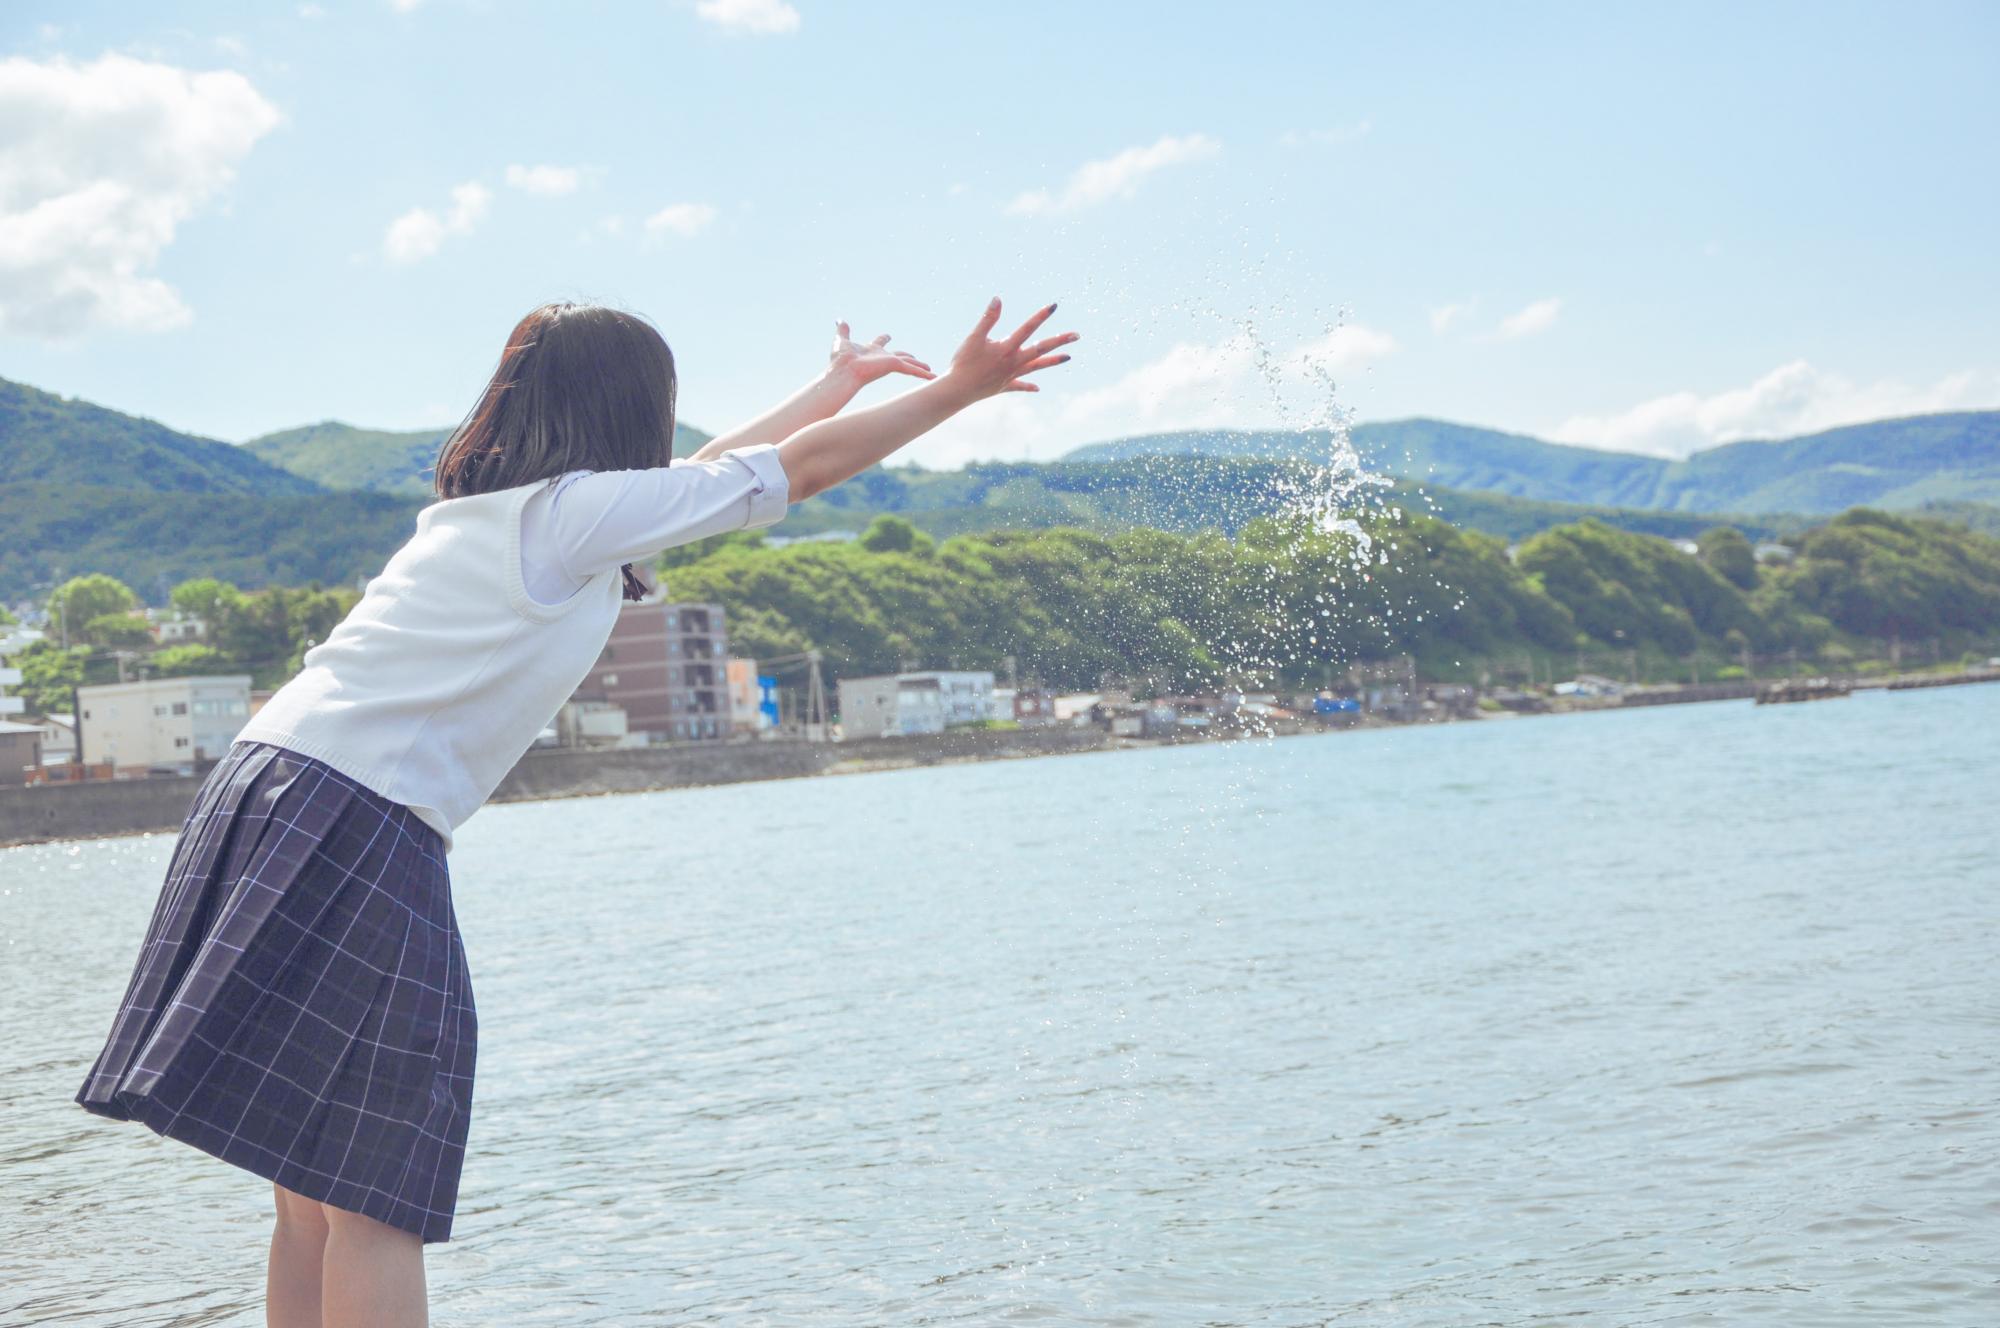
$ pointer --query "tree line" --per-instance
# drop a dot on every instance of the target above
(93, 627)
(1287, 602)
(1284, 602)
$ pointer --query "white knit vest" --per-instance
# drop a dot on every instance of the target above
(446, 670)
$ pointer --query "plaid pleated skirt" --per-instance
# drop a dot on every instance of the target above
(300, 1007)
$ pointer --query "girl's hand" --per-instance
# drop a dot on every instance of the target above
(985, 368)
(863, 364)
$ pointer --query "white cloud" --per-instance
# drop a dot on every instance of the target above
(1331, 137)
(234, 47)
(1537, 317)
(1792, 399)
(546, 180)
(1097, 182)
(1448, 316)
(1346, 346)
(683, 219)
(99, 164)
(1192, 386)
(758, 18)
(311, 11)
(1196, 385)
(420, 232)
(404, 6)
(1236, 382)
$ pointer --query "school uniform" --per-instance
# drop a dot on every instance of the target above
(301, 1006)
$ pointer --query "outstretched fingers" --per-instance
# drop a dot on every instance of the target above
(1027, 329)
(986, 320)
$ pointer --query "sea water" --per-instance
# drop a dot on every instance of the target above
(1681, 1016)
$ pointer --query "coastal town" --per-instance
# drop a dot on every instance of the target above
(667, 703)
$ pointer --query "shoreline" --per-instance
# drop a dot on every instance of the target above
(107, 809)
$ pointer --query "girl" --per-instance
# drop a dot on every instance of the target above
(301, 1006)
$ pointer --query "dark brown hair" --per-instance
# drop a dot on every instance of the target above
(579, 387)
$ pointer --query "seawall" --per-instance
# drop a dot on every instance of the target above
(131, 806)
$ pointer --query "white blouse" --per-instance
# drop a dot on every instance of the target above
(488, 617)
(585, 522)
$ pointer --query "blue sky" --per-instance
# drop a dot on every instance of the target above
(1647, 230)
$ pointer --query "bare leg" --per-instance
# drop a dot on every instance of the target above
(373, 1276)
(298, 1248)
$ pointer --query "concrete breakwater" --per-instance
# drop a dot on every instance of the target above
(132, 806)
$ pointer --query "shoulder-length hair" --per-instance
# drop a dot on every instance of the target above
(579, 387)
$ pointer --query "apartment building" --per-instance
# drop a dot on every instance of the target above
(161, 723)
(664, 666)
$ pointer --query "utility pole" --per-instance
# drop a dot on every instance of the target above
(815, 699)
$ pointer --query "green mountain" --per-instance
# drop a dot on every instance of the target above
(342, 456)
(45, 438)
(153, 541)
(1187, 493)
(91, 490)
(1898, 464)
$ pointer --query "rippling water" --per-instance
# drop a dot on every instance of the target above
(1685, 1016)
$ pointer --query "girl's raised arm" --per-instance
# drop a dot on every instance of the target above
(821, 455)
(850, 367)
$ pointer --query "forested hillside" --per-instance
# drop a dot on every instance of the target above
(341, 456)
(47, 439)
(1900, 463)
(1187, 611)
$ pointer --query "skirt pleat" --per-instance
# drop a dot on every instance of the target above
(300, 1007)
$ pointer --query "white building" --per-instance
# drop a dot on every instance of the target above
(172, 627)
(10, 676)
(588, 723)
(967, 696)
(58, 739)
(891, 705)
(170, 722)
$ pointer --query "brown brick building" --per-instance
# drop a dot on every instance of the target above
(665, 665)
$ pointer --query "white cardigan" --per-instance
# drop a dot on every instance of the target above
(449, 666)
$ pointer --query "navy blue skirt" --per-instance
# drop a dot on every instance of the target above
(300, 1007)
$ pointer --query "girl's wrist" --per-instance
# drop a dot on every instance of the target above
(953, 387)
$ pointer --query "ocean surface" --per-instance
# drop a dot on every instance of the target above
(1684, 1016)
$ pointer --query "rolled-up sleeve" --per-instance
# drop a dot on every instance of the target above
(604, 518)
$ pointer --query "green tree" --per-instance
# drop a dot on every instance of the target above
(889, 534)
(47, 673)
(204, 597)
(82, 599)
(188, 659)
(123, 630)
(1729, 553)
